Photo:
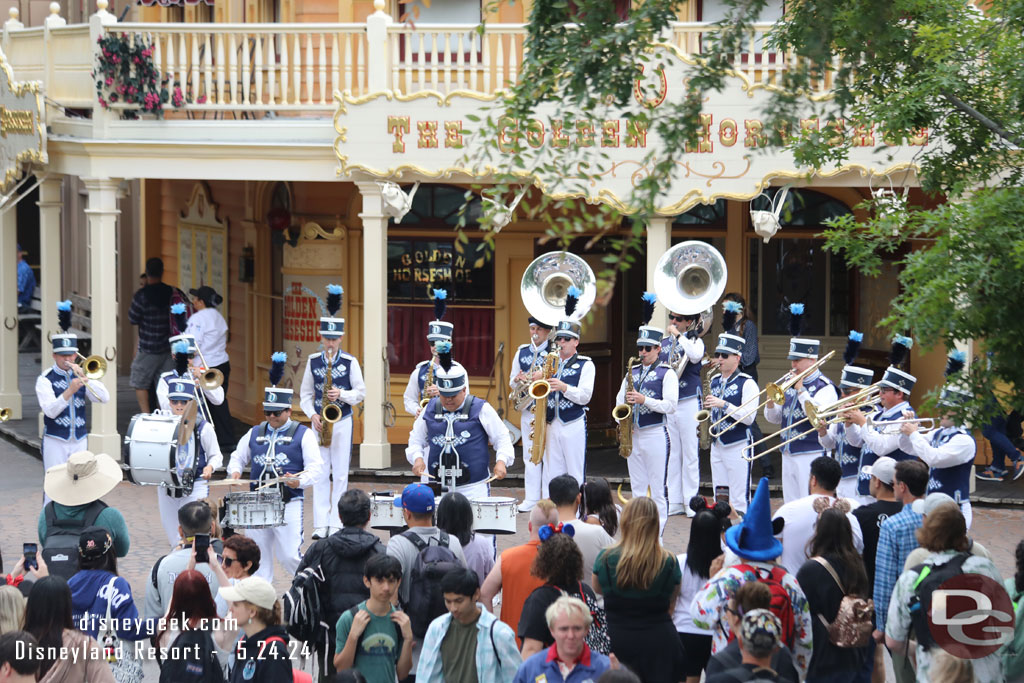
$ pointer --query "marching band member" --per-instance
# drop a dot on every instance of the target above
(571, 389)
(279, 446)
(949, 450)
(189, 369)
(195, 459)
(896, 388)
(62, 392)
(525, 368)
(733, 395)
(683, 467)
(437, 331)
(455, 429)
(815, 387)
(832, 437)
(347, 389)
(653, 400)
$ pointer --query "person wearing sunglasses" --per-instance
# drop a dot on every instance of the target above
(283, 450)
(732, 400)
(683, 466)
(526, 367)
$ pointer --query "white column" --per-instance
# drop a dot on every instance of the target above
(102, 214)
(10, 395)
(375, 451)
(659, 239)
(49, 258)
(378, 58)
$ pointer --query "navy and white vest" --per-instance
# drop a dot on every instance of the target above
(287, 454)
(559, 407)
(689, 378)
(340, 378)
(70, 424)
(954, 481)
(896, 413)
(867, 457)
(793, 412)
(649, 382)
(470, 439)
(525, 356)
(732, 430)
(846, 455)
(421, 373)
(199, 461)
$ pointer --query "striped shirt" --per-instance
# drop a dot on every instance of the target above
(897, 537)
(151, 311)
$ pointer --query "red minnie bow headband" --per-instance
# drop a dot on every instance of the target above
(549, 530)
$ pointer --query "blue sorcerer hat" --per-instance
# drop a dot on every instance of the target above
(332, 326)
(753, 538)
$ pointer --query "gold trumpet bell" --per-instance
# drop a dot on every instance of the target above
(5, 414)
(94, 367)
(212, 379)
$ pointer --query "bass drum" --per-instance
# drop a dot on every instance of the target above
(150, 446)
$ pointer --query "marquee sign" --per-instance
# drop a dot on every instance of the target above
(431, 134)
(22, 125)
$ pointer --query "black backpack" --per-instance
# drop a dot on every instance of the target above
(929, 578)
(60, 547)
(304, 609)
(194, 659)
(435, 559)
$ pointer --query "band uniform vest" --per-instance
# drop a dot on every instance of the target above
(199, 461)
(469, 438)
(70, 424)
(846, 455)
(793, 412)
(525, 361)
(650, 385)
(954, 481)
(340, 378)
(287, 454)
(732, 431)
(421, 373)
(689, 378)
(559, 407)
(896, 413)
(867, 457)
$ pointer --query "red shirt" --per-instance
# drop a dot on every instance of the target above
(517, 582)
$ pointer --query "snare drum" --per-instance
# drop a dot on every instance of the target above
(150, 446)
(254, 509)
(494, 515)
(384, 514)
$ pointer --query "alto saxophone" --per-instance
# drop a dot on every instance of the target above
(330, 412)
(707, 372)
(539, 391)
(623, 414)
(427, 383)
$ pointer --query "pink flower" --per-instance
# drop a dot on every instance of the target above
(109, 80)
(136, 60)
(103, 103)
(201, 99)
(121, 89)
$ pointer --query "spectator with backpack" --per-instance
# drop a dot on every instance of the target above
(193, 518)
(455, 517)
(468, 643)
(759, 635)
(189, 647)
(754, 544)
(569, 660)
(75, 489)
(335, 567)
(944, 534)
(261, 655)
(748, 597)
(372, 636)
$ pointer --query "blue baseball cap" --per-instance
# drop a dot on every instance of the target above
(417, 498)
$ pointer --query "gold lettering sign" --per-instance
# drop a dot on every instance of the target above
(16, 122)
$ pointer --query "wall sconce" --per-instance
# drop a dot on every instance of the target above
(247, 265)
(766, 223)
(396, 202)
(501, 215)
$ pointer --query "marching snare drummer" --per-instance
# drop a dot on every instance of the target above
(454, 431)
(832, 437)
(421, 382)
(183, 350)
(62, 392)
(199, 456)
(732, 400)
(653, 399)
(279, 446)
(683, 349)
(346, 390)
(798, 454)
(526, 368)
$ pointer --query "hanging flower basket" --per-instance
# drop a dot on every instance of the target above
(125, 73)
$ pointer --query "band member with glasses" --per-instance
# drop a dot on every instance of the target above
(279, 447)
(526, 368)
(438, 331)
(734, 398)
(682, 341)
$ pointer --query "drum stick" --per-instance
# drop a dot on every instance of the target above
(272, 482)
(246, 482)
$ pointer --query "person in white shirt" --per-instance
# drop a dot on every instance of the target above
(187, 365)
(438, 330)
(893, 396)
(686, 348)
(591, 539)
(208, 327)
(801, 515)
(526, 367)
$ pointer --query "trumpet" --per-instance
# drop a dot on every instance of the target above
(818, 420)
(5, 414)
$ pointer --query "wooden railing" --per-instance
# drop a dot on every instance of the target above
(59, 57)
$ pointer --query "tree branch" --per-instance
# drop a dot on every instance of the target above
(982, 119)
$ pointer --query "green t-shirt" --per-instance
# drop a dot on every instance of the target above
(377, 652)
(458, 652)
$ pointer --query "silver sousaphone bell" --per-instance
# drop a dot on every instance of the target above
(547, 280)
(690, 279)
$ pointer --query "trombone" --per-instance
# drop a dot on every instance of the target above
(834, 414)
(776, 392)
(93, 368)
(922, 420)
(212, 378)
(5, 414)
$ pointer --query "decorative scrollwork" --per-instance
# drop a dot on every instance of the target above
(312, 230)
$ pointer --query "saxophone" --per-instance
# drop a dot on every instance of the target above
(707, 372)
(330, 412)
(539, 391)
(623, 413)
(427, 383)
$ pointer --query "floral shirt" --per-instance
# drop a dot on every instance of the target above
(708, 610)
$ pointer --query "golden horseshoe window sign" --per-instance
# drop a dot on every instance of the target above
(661, 84)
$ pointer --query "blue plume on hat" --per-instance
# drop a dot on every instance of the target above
(440, 303)
(796, 319)
(955, 362)
(334, 293)
(900, 348)
(731, 309)
(444, 355)
(277, 361)
(178, 312)
(64, 315)
(180, 350)
(649, 299)
(852, 346)
(572, 297)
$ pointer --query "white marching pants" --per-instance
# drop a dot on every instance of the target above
(280, 542)
(57, 452)
(336, 465)
(683, 465)
(169, 507)
(847, 488)
(728, 468)
(535, 486)
(648, 464)
(796, 474)
(965, 507)
(565, 451)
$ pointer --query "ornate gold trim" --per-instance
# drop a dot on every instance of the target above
(311, 230)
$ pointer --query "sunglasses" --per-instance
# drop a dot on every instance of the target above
(722, 355)
(562, 339)
(645, 349)
(178, 403)
(228, 561)
(676, 318)
(272, 413)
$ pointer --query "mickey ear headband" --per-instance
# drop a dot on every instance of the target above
(549, 530)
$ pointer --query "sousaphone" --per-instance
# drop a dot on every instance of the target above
(690, 279)
(547, 280)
